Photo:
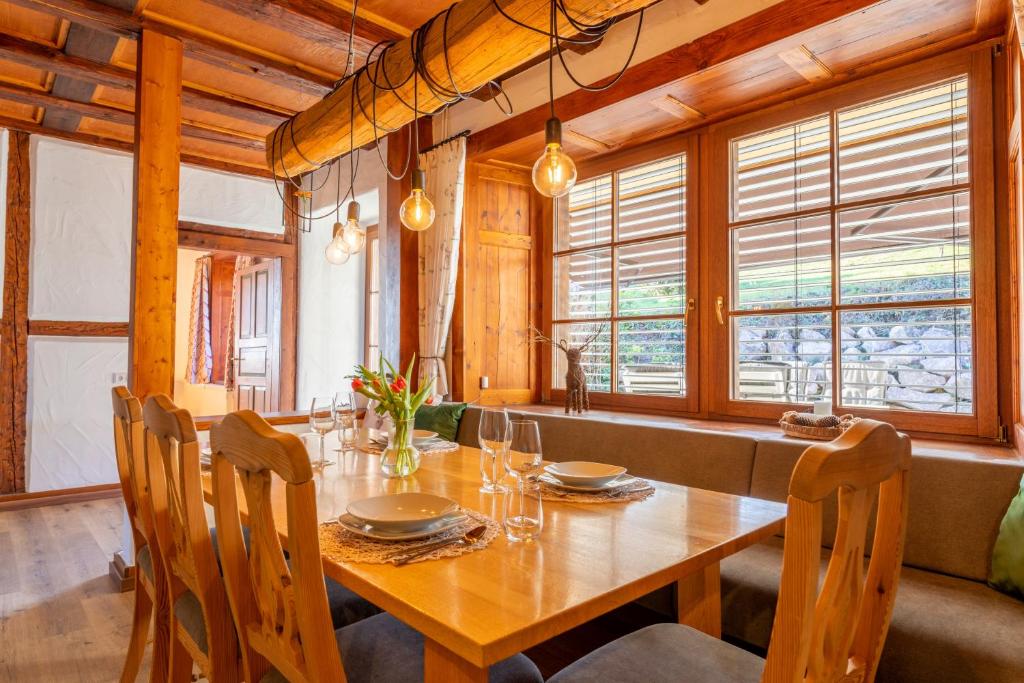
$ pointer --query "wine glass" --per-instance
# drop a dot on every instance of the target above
(322, 421)
(523, 509)
(494, 435)
(345, 417)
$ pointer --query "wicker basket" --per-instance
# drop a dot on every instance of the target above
(792, 428)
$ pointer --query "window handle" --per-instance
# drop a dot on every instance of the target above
(719, 305)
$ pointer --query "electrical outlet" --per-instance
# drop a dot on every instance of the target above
(485, 382)
(118, 379)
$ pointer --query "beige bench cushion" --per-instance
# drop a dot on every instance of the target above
(944, 628)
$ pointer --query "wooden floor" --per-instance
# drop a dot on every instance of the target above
(61, 619)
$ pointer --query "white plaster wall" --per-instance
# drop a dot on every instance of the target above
(80, 267)
(666, 25)
(331, 298)
(199, 399)
(70, 441)
(229, 200)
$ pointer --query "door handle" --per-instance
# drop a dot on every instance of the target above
(719, 305)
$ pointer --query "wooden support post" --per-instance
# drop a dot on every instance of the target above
(390, 231)
(155, 215)
(14, 327)
(289, 303)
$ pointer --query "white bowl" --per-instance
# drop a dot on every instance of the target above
(421, 436)
(402, 511)
(589, 474)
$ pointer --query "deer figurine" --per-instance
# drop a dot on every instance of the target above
(576, 397)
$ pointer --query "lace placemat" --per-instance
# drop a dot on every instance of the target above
(435, 446)
(641, 489)
(342, 545)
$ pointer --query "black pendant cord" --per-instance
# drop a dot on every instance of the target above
(446, 90)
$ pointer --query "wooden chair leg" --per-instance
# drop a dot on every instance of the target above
(141, 618)
(161, 638)
(181, 661)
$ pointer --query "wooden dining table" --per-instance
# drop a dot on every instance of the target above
(478, 608)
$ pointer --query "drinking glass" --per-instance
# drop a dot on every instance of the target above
(345, 416)
(494, 435)
(322, 421)
(523, 518)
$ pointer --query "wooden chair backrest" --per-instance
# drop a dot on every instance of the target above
(131, 464)
(281, 611)
(837, 633)
(175, 479)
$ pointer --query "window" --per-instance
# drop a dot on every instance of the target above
(619, 279)
(372, 313)
(851, 256)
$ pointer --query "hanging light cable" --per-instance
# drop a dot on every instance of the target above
(554, 173)
(417, 211)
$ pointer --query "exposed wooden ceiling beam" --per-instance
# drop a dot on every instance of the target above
(772, 24)
(127, 146)
(677, 108)
(481, 44)
(48, 58)
(203, 47)
(319, 21)
(486, 94)
(124, 117)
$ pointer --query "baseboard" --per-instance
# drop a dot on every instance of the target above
(81, 494)
(122, 573)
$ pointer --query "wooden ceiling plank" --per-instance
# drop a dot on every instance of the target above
(319, 21)
(122, 116)
(772, 24)
(51, 59)
(593, 144)
(122, 145)
(677, 108)
(806, 63)
(232, 56)
(481, 44)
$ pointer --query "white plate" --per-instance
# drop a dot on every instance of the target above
(357, 526)
(624, 480)
(422, 436)
(579, 473)
(402, 511)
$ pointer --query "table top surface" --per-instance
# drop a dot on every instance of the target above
(590, 558)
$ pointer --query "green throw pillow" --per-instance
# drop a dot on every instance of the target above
(1007, 572)
(443, 419)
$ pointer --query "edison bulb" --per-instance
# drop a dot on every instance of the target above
(353, 236)
(337, 252)
(417, 212)
(554, 173)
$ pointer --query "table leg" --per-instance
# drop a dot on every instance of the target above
(700, 600)
(441, 665)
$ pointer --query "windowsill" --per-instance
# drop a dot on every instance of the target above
(921, 446)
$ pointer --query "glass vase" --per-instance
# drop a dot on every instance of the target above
(400, 458)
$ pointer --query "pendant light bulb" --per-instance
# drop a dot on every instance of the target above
(417, 211)
(337, 251)
(353, 235)
(554, 173)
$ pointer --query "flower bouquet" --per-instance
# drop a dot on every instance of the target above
(394, 397)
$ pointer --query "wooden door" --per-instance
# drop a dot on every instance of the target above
(257, 337)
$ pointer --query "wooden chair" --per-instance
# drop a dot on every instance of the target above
(280, 608)
(151, 601)
(201, 628)
(835, 634)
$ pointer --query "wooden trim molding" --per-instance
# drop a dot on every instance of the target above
(289, 318)
(76, 328)
(79, 494)
(14, 326)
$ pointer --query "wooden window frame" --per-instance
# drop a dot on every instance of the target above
(679, 144)
(372, 233)
(974, 62)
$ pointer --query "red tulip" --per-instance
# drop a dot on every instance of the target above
(400, 382)
(429, 401)
(394, 387)
(357, 384)
(376, 384)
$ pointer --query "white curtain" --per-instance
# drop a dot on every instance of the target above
(439, 257)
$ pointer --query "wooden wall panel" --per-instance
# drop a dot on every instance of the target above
(14, 327)
(497, 297)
